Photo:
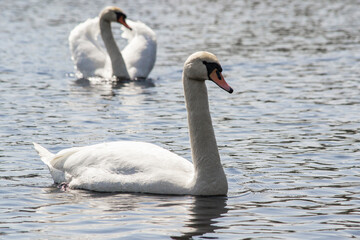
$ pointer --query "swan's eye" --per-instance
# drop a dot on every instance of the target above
(120, 15)
(211, 66)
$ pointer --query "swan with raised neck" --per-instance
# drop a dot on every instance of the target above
(135, 60)
(108, 15)
(209, 174)
(127, 166)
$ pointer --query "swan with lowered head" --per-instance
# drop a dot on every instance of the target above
(127, 166)
(135, 61)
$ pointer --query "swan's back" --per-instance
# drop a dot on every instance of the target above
(140, 53)
(122, 166)
(89, 57)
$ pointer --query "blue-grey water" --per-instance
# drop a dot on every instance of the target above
(288, 136)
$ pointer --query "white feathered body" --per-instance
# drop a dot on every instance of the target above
(91, 59)
(140, 53)
(143, 167)
(122, 166)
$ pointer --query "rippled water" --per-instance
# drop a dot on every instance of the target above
(288, 136)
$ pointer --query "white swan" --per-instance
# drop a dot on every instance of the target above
(135, 61)
(127, 166)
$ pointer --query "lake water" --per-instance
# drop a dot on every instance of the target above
(288, 136)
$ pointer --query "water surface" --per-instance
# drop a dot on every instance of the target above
(288, 136)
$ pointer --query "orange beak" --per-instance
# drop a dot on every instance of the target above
(122, 21)
(218, 78)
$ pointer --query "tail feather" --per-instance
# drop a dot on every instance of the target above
(45, 155)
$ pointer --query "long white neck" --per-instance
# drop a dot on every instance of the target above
(209, 174)
(117, 61)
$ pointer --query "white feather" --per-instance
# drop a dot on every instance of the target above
(91, 59)
(126, 166)
(121, 166)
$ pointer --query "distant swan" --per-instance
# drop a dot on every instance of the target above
(127, 166)
(135, 61)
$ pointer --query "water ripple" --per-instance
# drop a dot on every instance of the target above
(288, 136)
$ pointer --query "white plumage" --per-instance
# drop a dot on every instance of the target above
(126, 166)
(140, 53)
(122, 166)
(92, 59)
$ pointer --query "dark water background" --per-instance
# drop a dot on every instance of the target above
(288, 136)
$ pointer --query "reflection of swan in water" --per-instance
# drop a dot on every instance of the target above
(99, 82)
(108, 89)
(204, 212)
(182, 217)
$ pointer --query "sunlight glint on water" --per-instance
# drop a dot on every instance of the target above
(288, 136)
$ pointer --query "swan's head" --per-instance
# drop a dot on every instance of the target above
(114, 14)
(203, 66)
